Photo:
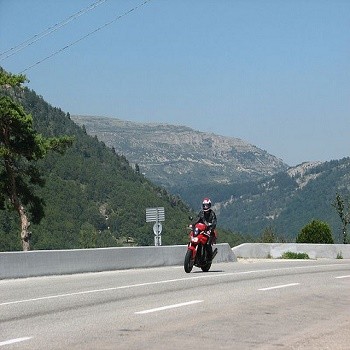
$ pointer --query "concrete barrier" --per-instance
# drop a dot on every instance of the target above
(275, 250)
(58, 262)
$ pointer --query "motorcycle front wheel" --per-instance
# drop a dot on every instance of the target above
(188, 263)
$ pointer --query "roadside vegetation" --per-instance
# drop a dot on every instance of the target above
(293, 255)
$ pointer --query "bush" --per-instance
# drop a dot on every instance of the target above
(315, 232)
(292, 255)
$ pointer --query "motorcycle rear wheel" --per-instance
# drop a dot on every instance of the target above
(206, 267)
(188, 263)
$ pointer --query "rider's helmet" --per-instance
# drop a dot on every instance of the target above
(206, 205)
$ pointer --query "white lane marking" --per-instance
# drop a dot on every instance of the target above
(13, 341)
(169, 307)
(166, 281)
(343, 276)
(56, 296)
(280, 286)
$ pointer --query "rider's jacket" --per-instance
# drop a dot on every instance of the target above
(207, 217)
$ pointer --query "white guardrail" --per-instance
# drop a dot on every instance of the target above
(275, 250)
(59, 262)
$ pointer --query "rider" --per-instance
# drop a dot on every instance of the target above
(207, 216)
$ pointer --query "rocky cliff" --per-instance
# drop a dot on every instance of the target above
(173, 156)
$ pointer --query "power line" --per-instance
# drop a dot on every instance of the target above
(13, 50)
(87, 35)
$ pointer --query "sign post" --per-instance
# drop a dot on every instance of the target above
(156, 215)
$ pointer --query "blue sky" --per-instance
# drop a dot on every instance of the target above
(275, 73)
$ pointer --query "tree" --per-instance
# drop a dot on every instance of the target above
(268, 236)
(315, 232)
(20, 147)
(87, 236)
(344, 214)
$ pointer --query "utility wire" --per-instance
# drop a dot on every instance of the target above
(87, 35)
(13, 50)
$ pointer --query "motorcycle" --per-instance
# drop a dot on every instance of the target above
(199, 249)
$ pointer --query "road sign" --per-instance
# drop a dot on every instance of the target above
(157, 228)
(158, 240)
(155, 214)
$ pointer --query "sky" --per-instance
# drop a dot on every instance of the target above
(274, 73)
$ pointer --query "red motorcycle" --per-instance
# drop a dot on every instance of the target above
(199, 250)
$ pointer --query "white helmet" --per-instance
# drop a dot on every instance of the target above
(206, 205)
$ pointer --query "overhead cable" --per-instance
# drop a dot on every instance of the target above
(13, 50)
(87, 35)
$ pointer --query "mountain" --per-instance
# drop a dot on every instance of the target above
(288, 200)
(252, 190)
(96, 193)
(93, 197)
(178, 157)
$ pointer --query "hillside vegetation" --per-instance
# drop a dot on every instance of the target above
(252, 190)
(92, 196)
(287, 201)
(95, 196)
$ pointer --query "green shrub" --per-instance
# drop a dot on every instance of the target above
(315, 232)
(293, 255)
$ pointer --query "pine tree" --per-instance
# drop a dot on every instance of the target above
(343, 211)
(20, 147)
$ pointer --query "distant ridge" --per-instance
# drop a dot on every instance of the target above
(175, 156)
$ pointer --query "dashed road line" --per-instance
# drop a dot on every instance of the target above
(162, 308)
(13, 341)
(280, 286)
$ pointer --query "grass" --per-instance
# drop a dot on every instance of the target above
(293, 255)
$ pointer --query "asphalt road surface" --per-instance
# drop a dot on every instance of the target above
(267, 304)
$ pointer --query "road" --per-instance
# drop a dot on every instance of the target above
(267, 304)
